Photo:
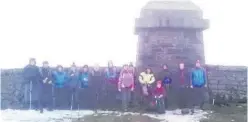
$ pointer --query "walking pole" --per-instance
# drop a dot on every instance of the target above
(53, 97)
(30, 95)
(72, 99)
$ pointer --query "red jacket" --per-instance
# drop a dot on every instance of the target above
(159, 91)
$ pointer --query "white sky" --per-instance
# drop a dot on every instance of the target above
(94, 31)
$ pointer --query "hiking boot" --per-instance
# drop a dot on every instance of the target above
(41, 111)
(192, 111)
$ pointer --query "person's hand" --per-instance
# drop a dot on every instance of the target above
(50, 82)
(119, 90)
(206, 85)
(132, 89)
(191, 86)
(72, 74)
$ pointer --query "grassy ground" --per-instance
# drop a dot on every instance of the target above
(233, 113)
(116, 118)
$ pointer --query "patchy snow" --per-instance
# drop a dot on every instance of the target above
(67, 115)
(47, 116)
(176, 116)
(169, 116)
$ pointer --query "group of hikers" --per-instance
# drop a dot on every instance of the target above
(154, 88)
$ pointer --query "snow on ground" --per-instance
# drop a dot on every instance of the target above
(47, 116)
(67, 115)
(176, 116)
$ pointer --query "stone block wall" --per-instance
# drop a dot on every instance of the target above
(230, 81)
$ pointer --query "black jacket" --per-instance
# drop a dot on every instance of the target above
(97, 78)
(31, 73)
(46, 73)
(73, 79)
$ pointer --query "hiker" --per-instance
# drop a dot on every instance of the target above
(159, 95)
(73, 81)
(146, 80)
(97, 79)
(198, 85)
(111, 73)
(46, 89)
(32, 78)
(183, 88)
(126, 86)
(134, 95)
(110, 82)
(132, 68)
(84, 78)
(165, 76)
(59, 82)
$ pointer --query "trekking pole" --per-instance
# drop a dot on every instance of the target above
(53, 97)
(30, 95)
(72, 99)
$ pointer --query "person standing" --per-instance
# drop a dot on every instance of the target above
(146, 80)
(110, 84)
(198, 84)
(84, 79)
(97, 79)
(73, 85)
(165, 76)
(126, 86)
(59, 82)
(32, 78)
(183, 91)
(111, 74)
(46, 90)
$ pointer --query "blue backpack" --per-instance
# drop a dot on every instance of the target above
(167, 80)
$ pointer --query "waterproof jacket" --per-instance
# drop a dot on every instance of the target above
(46, 74)
(73, 79)
(146, 79)
(159, 91)
(126, 79)
(165, 76)
(198, 77)
(31, 73)
(59, 79)
(84, 79)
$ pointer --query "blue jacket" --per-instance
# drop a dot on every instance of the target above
(84, 79)
(59, 79)
(198, 77)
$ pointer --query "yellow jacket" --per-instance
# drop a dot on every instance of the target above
(145, 78)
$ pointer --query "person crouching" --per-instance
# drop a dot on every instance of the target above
(159, 95)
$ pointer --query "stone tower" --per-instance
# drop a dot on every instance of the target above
(170, 31)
